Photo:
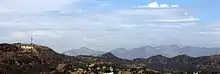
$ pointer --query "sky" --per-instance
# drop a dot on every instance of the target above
(108, 24)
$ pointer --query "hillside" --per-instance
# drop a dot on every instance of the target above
(36, 59)
(30, 58)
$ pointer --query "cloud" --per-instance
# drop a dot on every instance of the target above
(216, 29)
(164, 5)
(126, 27)
(175, 6)
(211, 33)
(173, 26)
(42, 35)
(211, 28)
(155, 4)
(19, 36)
(34, 6)
(158, 15)
(180, 20)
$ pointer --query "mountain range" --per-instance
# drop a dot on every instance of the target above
(83, 51)
(147, 51)
(37, 59)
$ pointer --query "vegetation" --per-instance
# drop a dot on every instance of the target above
(17, 60)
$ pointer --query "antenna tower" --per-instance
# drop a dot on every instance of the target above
(32, 39)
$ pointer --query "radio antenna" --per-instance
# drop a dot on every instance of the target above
(32, 39)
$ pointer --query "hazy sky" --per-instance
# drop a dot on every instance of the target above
(109, 24)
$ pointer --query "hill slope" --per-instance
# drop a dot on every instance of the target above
(36, 59)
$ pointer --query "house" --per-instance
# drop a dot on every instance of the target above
(109, 73)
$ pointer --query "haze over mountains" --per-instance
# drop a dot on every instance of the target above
(147, 51)
(21, 59)
(83, 51)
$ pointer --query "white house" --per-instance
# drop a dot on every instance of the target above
(109, 73)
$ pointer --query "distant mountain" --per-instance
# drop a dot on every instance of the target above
(119, 51)
(37, 59)
(147, 51)
(165, 50)
(83, 51)
(141, 52)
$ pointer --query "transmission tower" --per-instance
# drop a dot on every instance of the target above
(32, 39)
